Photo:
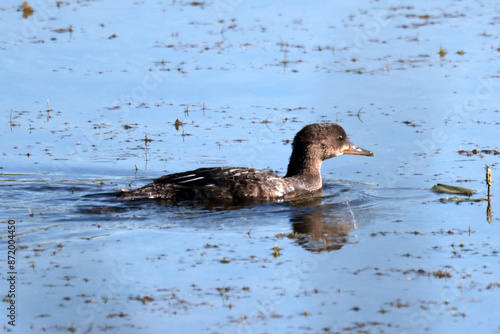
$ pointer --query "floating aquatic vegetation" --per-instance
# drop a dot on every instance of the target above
(444, 188)
(276, 251)
(476, 151)
(27, 10)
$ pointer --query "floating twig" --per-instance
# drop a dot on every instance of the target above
(358, 114)
(489, 215)
(11, 112)
(488, 181)
(460, 199)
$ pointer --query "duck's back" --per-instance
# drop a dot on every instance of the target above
(214, 184)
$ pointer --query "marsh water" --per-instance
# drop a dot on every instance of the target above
(102, 95)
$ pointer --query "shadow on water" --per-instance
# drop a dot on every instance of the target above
(324, 224)
(320, 228)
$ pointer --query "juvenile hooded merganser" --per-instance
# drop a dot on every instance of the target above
(313, 144)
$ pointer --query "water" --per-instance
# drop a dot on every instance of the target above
(377, 252)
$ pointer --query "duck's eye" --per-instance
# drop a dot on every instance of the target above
(341, 138)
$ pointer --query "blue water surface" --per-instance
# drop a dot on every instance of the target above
(91, 94)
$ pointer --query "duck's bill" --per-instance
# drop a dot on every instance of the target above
(355, 150)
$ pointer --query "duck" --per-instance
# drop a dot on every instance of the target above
(312, 145)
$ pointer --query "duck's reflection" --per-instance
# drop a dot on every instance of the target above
(322, 227)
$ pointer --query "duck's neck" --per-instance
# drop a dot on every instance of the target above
(304, 163)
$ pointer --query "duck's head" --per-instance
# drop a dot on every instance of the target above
(318, 142)
(327, 140)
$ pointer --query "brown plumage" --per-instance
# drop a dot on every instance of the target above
(311, 146)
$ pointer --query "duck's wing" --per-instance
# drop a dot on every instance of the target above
(219, 183)
(194, 178)
(218, 176)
